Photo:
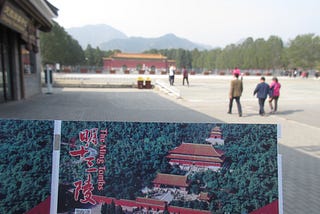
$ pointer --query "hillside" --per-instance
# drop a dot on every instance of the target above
(109, 38)
(140, 44)
(95, 34)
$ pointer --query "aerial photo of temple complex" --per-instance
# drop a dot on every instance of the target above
(167, 188)
(189, 157)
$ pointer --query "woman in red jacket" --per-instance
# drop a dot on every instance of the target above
(274, 94)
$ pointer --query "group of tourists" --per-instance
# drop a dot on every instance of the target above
(262, 91)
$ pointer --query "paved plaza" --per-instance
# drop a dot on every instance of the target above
(206, 100)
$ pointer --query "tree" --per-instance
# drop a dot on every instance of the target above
(58, 46)
(260, 55)
(248, 51)
(90, 55)
(195, 54)
(304, 51)
(94, 56)
(274, 52)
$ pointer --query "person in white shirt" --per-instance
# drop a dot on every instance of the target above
(171, 74)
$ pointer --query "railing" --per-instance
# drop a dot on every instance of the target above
(167, 88)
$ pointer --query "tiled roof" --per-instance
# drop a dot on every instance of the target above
(197, 150)
(195, 158)
(195, 163)
(138, 56)
(217, 129)
(171, 180)
(125, 202)
(150, 201)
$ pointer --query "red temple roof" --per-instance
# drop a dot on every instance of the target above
(196, 158)
(151, 201)
(195, 163)
(125, 202)
(171, 180)
(104, 199)
(197, 150)
(216, 129)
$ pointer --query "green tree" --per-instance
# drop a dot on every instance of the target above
(248, 51)
(94, 56)
(89, 55)
(58, 46)
(98, 56)
(274, 52)
(304, 51)
(260, 55)
(196, 57)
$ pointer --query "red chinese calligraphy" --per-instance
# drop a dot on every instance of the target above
(81, 152)
(89, 136)
(86, 189)
(89, 161)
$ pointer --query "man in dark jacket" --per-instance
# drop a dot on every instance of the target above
(262, 91)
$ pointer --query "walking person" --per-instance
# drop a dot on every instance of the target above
(236, 89)
(185, 75)
(262, 91)
(171, 74)
(274, 94)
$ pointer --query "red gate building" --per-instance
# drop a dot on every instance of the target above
(137, 61)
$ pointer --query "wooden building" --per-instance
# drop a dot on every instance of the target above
(20, 65)
(170, 181)
(197, 156)
(137, 61)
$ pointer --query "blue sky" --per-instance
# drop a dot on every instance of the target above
(212, 22)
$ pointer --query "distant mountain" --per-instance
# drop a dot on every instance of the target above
(140, 44)
(109, 38)
(95, 34)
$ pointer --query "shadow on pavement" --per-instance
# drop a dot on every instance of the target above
(287, 112)
(300, 181)
(95, 106)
